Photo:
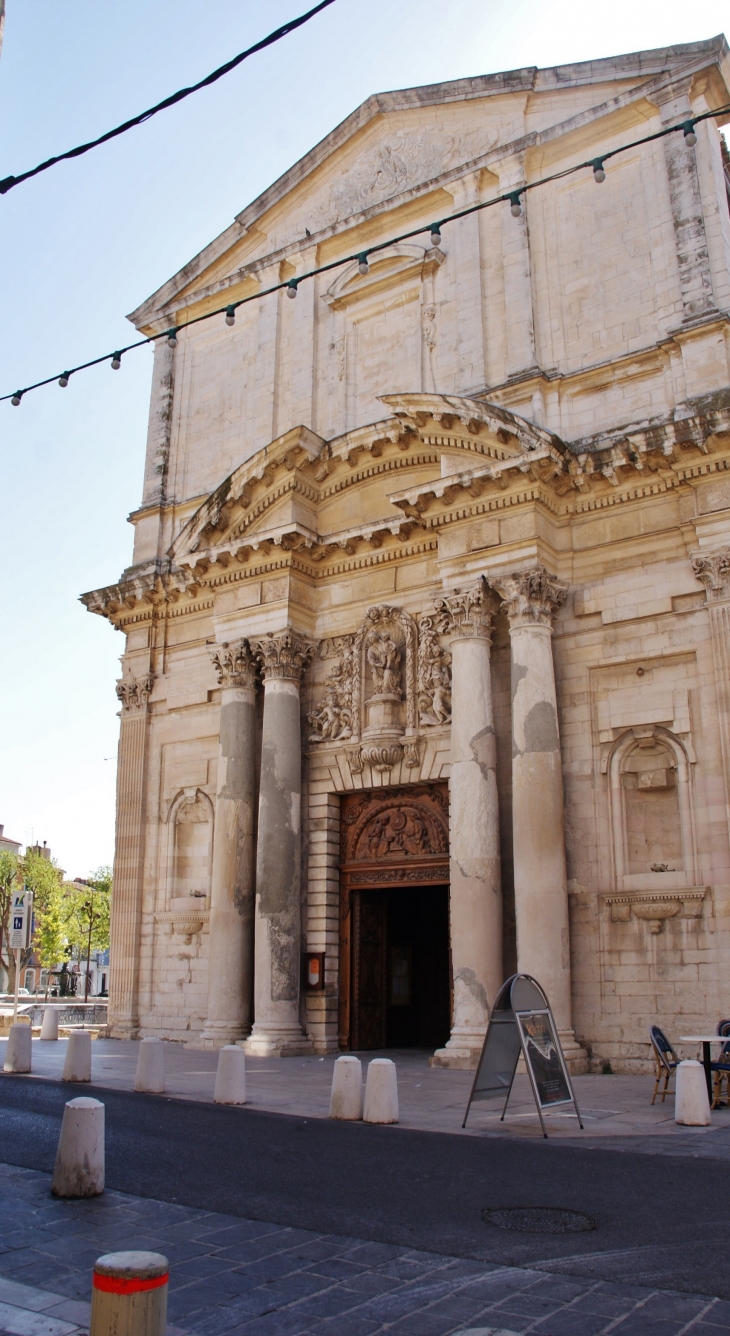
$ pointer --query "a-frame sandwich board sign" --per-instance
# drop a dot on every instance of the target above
(522, 1022)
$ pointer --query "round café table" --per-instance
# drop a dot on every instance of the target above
(706, 1040)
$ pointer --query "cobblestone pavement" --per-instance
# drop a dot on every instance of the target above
(230, 1275)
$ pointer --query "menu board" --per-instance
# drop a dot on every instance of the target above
(544, 1058)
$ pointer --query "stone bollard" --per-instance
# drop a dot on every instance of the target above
(19, 1049)
(49, 1028)
(150, 1076)
(381, 1092)
(79, 1167)
(230, 1080)
(346, 1097)
(691, 1105)
(77, 1066)
(129, 1295)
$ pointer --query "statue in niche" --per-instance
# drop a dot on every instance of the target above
(383, 656)
(434, 677)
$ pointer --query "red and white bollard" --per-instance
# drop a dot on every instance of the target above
(129, 1296)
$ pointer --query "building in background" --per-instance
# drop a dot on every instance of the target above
(428, 619)
(7, 845)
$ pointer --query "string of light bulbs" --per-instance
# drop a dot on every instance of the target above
(8, 182)
(290, 286)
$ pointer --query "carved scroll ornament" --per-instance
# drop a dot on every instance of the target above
(285, 655)
(333, 720)
(713, 570)
(134, 693)
(234, 664)
(434, 676)
(466, 613)
(530, 598)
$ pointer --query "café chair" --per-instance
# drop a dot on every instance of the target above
(721, 1068)
(665, 1058)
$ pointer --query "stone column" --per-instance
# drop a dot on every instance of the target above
(277, 1030)
(126, 924)
(476, 886)
(230, 961)
(541, 894)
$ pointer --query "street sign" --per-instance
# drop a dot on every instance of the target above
(522, 1023)
(21, 920)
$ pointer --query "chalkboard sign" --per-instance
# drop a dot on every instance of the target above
(522, 1022)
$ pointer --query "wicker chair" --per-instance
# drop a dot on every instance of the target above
(665, 1057)
(721, 1068)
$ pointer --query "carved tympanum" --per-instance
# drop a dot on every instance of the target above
(403, 823)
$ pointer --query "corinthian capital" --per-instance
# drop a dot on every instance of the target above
(285, 655)
(133, 692)
(713, 569)
(530, 598)
(234, 664)
(467, 613)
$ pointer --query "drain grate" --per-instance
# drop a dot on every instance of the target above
(539, 1220)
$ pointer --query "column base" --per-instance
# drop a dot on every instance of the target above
(118, 1029)
(463, 1050)
(276, 1041)
(576, 1058)
(218, 1035)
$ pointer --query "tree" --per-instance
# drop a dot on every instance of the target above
(42, 876)
(87, 915)
(8, 882)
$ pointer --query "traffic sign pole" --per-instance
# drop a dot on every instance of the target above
(17, 985)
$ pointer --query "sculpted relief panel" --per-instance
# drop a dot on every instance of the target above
(391, 678)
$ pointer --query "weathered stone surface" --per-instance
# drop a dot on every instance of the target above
(79, 1167)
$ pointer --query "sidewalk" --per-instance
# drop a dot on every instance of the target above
(616, 1110)
(232, 1276)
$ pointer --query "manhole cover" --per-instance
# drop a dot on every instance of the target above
(539, 1220)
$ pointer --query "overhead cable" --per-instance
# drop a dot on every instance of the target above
(8, 182)
(512, 197)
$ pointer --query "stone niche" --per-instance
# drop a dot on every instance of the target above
(651, 799)
(189, 862)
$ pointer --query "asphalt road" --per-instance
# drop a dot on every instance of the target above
(661, 1221)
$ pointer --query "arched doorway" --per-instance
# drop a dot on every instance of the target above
(395, 989)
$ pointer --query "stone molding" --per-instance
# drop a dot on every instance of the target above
(234, 664)
(530, 598)
(712, 569)
(655, 907)
(283, 656)
(134, 693)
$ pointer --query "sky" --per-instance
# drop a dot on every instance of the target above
(86, 242)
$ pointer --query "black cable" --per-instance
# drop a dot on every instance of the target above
(9, 181)
(510, 197)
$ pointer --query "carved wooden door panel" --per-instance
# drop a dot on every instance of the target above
(370, 970)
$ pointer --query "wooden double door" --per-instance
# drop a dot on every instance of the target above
(395, 989)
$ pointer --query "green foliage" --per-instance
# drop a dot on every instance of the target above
(88, 908)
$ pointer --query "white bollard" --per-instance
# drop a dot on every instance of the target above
(19, 1049)
(79, 1167)
(346, 1097)
(150, 1076)
(691, 1105)
(49, 1028)
(230, 1080)
(77, 1066)
(129, 1294)
(381, 1092)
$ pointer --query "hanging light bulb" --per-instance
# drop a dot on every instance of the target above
(172, 338)
(436, 234)
(690, 138)
(291, 288)
(598, 173)
(515, 203)
(16, 398)
(64, 379)
(362, 263)
(230, 315)
(116, 361)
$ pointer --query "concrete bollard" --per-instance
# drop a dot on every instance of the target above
(691, 1105)
(77, 1066)
(381, 1092)
(129, 1295)
(230, 1079)
(49, 1028)
(150, 1076)
(346, 1097)
(79, 1167)
(19, 1050)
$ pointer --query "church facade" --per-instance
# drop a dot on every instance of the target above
(427, 629)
